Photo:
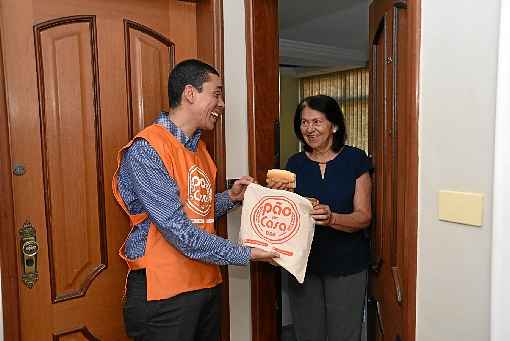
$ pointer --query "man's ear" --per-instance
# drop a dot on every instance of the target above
(188, 94)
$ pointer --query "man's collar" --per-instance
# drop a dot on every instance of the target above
(190, 143)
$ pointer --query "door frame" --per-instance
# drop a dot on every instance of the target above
(209, 49)
(500, 278)
(261, 17)
(263, 111)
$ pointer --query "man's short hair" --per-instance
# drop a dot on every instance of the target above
(188, 72)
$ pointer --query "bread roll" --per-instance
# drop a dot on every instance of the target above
(281, 175)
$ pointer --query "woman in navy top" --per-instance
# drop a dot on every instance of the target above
(329, 304)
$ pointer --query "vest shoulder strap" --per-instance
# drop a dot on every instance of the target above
(162, 141)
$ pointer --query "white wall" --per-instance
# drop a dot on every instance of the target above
(457, 113)
(236, 128)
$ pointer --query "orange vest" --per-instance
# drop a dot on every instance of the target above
(168, 271)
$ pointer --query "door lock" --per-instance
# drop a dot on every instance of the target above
(29, 249)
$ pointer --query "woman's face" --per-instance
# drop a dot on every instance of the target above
(316, 129)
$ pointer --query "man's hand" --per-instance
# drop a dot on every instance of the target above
(263, 256)
(236, 193)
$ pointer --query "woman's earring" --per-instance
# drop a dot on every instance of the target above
(334, 130)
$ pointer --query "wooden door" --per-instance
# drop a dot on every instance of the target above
(79, 79)
(393, 136)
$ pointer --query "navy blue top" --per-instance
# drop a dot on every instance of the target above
(334, 252)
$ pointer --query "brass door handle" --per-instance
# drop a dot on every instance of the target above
(29, 249)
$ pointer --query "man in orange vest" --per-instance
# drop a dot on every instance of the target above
(165, 183)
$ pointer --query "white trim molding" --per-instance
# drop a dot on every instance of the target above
(500, 281)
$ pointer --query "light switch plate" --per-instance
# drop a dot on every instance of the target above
(461, 207)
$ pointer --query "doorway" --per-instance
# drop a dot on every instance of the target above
(323, 50)
(392, 55)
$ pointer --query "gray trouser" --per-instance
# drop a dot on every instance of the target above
(328, 307)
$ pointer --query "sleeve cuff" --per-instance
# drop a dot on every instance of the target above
(245, 255)
(229, 203)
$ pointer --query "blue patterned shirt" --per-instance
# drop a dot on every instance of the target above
(145, 186)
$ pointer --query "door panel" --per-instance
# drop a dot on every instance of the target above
(81, 334)
(71, 150)
(80, 79)
(150, 57)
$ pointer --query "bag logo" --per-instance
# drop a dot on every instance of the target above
(200, 194)
(275, 219)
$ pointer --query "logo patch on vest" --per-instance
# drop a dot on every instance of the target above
(200, 195)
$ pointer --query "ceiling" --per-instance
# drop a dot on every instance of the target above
(323, 35)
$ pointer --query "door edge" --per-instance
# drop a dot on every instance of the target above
(210, 49)
(262, 62)
(411, 196)
(8, 242)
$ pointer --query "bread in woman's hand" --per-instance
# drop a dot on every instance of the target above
(281, 175)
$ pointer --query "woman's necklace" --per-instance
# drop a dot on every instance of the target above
(323, 162)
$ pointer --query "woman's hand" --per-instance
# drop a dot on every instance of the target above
(322, 214)
(236, 193)
(349, 222)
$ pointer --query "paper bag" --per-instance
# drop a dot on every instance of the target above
(280, 221)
